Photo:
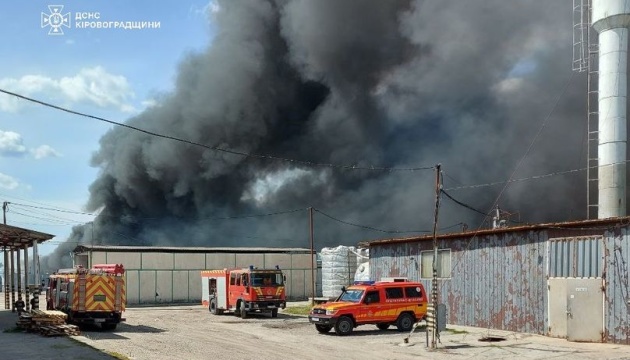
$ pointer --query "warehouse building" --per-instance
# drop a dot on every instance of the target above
(166, 275)
(566, 280)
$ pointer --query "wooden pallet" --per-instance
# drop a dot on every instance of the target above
(47, 323)
(51, 331)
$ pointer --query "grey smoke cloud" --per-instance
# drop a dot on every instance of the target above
(383, 83)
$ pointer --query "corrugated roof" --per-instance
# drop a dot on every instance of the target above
(572, 225)
(16, 237)
(86, 247)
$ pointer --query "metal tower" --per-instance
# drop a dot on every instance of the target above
(611, 18)
(604, 58)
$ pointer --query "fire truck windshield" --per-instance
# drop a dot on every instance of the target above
(267, 279)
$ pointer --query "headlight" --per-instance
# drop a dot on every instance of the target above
(331, 312)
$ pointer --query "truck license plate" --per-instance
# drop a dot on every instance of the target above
(272, 306)
(99, 320)
(315, 319)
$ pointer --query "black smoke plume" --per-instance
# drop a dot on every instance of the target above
(392, 83)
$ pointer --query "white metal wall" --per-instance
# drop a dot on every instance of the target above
(163, 277)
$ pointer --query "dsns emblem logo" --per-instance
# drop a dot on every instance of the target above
(55, 20)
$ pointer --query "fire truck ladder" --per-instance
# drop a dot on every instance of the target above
(585, 59)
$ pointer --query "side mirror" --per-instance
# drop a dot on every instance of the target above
(343, 289)
(284, 278)
(368, 301)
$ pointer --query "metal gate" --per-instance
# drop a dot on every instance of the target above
(575, 288)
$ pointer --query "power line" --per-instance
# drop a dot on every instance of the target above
(53, 209)
(535, 177)
(58, 221)
(215, 148)
(462, 204)
(233, 217)
(369, 227)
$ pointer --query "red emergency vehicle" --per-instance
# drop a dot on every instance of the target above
(243, 291)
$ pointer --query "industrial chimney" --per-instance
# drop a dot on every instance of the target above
(611, 19)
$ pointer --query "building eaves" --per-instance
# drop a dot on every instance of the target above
(16, 237)
(172, 249)
(588, 225)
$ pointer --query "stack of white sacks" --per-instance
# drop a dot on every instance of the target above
(341, 266)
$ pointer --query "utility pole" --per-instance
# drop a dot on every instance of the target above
(434, 283)
(310, 222)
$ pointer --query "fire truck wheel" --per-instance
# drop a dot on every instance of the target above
(274, 313)
(108, 326)
(382, 326)
(344, 326)
(405, 322)
(323, 329)
(213, 306)
(243, 310)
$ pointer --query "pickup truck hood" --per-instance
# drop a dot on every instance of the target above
(337, 305)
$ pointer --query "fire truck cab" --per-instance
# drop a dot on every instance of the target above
(243, 291)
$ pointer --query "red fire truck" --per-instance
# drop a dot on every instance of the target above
(243, 291)
(89, 296)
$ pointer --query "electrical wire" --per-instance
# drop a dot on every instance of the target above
(64, 222)
(234, 217)
(215, 148)
(369, 227)
(535, 177)
(52, 209)
(462, 204)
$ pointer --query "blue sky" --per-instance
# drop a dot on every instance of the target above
(112, 73)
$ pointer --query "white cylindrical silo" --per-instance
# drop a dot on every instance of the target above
(611, 19)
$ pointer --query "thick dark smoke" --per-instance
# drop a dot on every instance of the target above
(356, 82)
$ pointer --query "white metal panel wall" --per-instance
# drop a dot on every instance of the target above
(128, 259)
(147, 287)
(98, 258)
(220, 261)
(157, 261)
(132, 278)
(194, 286)
(245, 260)
(164, 286)
(282, 260)
(190, 261)
(175, 277)
(180, 286)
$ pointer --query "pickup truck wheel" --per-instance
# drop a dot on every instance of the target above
(213, 306)
(243, 310)
(274, 313)
(382, 326)
(323, 329)
(344, 326)
(405, 322)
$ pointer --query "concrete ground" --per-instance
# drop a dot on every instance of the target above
(190, 332)
(17, 345)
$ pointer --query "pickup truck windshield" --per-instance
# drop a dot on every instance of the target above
(267, 279)
(351, 296)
